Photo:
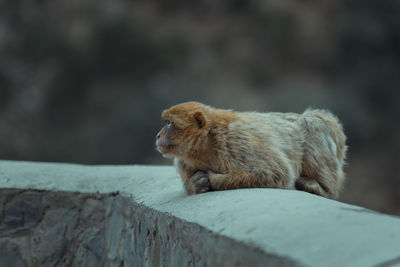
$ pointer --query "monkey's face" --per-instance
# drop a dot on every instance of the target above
(181, 132)
(164, 139)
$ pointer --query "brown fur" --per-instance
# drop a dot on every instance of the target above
(217, 149)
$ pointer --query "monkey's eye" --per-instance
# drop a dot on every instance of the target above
(168, 122)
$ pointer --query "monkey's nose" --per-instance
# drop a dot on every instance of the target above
(158, 136)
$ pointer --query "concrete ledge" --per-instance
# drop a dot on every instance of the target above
(74, 215)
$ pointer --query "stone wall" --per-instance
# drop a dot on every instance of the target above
(44, 228)
(74, 215)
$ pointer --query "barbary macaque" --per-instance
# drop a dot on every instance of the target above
(217, 149)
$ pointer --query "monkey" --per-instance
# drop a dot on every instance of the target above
(218, 149)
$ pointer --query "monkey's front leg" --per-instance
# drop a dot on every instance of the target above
(194, 181)
(198, 183)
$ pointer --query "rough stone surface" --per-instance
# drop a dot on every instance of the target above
(74, 215)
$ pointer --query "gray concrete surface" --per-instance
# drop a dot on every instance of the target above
(140, 216)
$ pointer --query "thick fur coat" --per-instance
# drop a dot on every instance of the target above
(216, 149)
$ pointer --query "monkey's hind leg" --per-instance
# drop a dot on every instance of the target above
(324, 154)
(310, 185)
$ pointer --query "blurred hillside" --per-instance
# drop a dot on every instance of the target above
(85, 81)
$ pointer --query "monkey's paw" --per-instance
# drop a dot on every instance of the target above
(200, 182)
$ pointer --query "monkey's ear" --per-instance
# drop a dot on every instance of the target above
(200, 119)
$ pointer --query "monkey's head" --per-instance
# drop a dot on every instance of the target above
(185, 132)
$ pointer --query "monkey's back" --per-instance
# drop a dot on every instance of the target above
(270, 142)
(311, 144)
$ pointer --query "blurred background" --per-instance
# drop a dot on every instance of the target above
(85, 81)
